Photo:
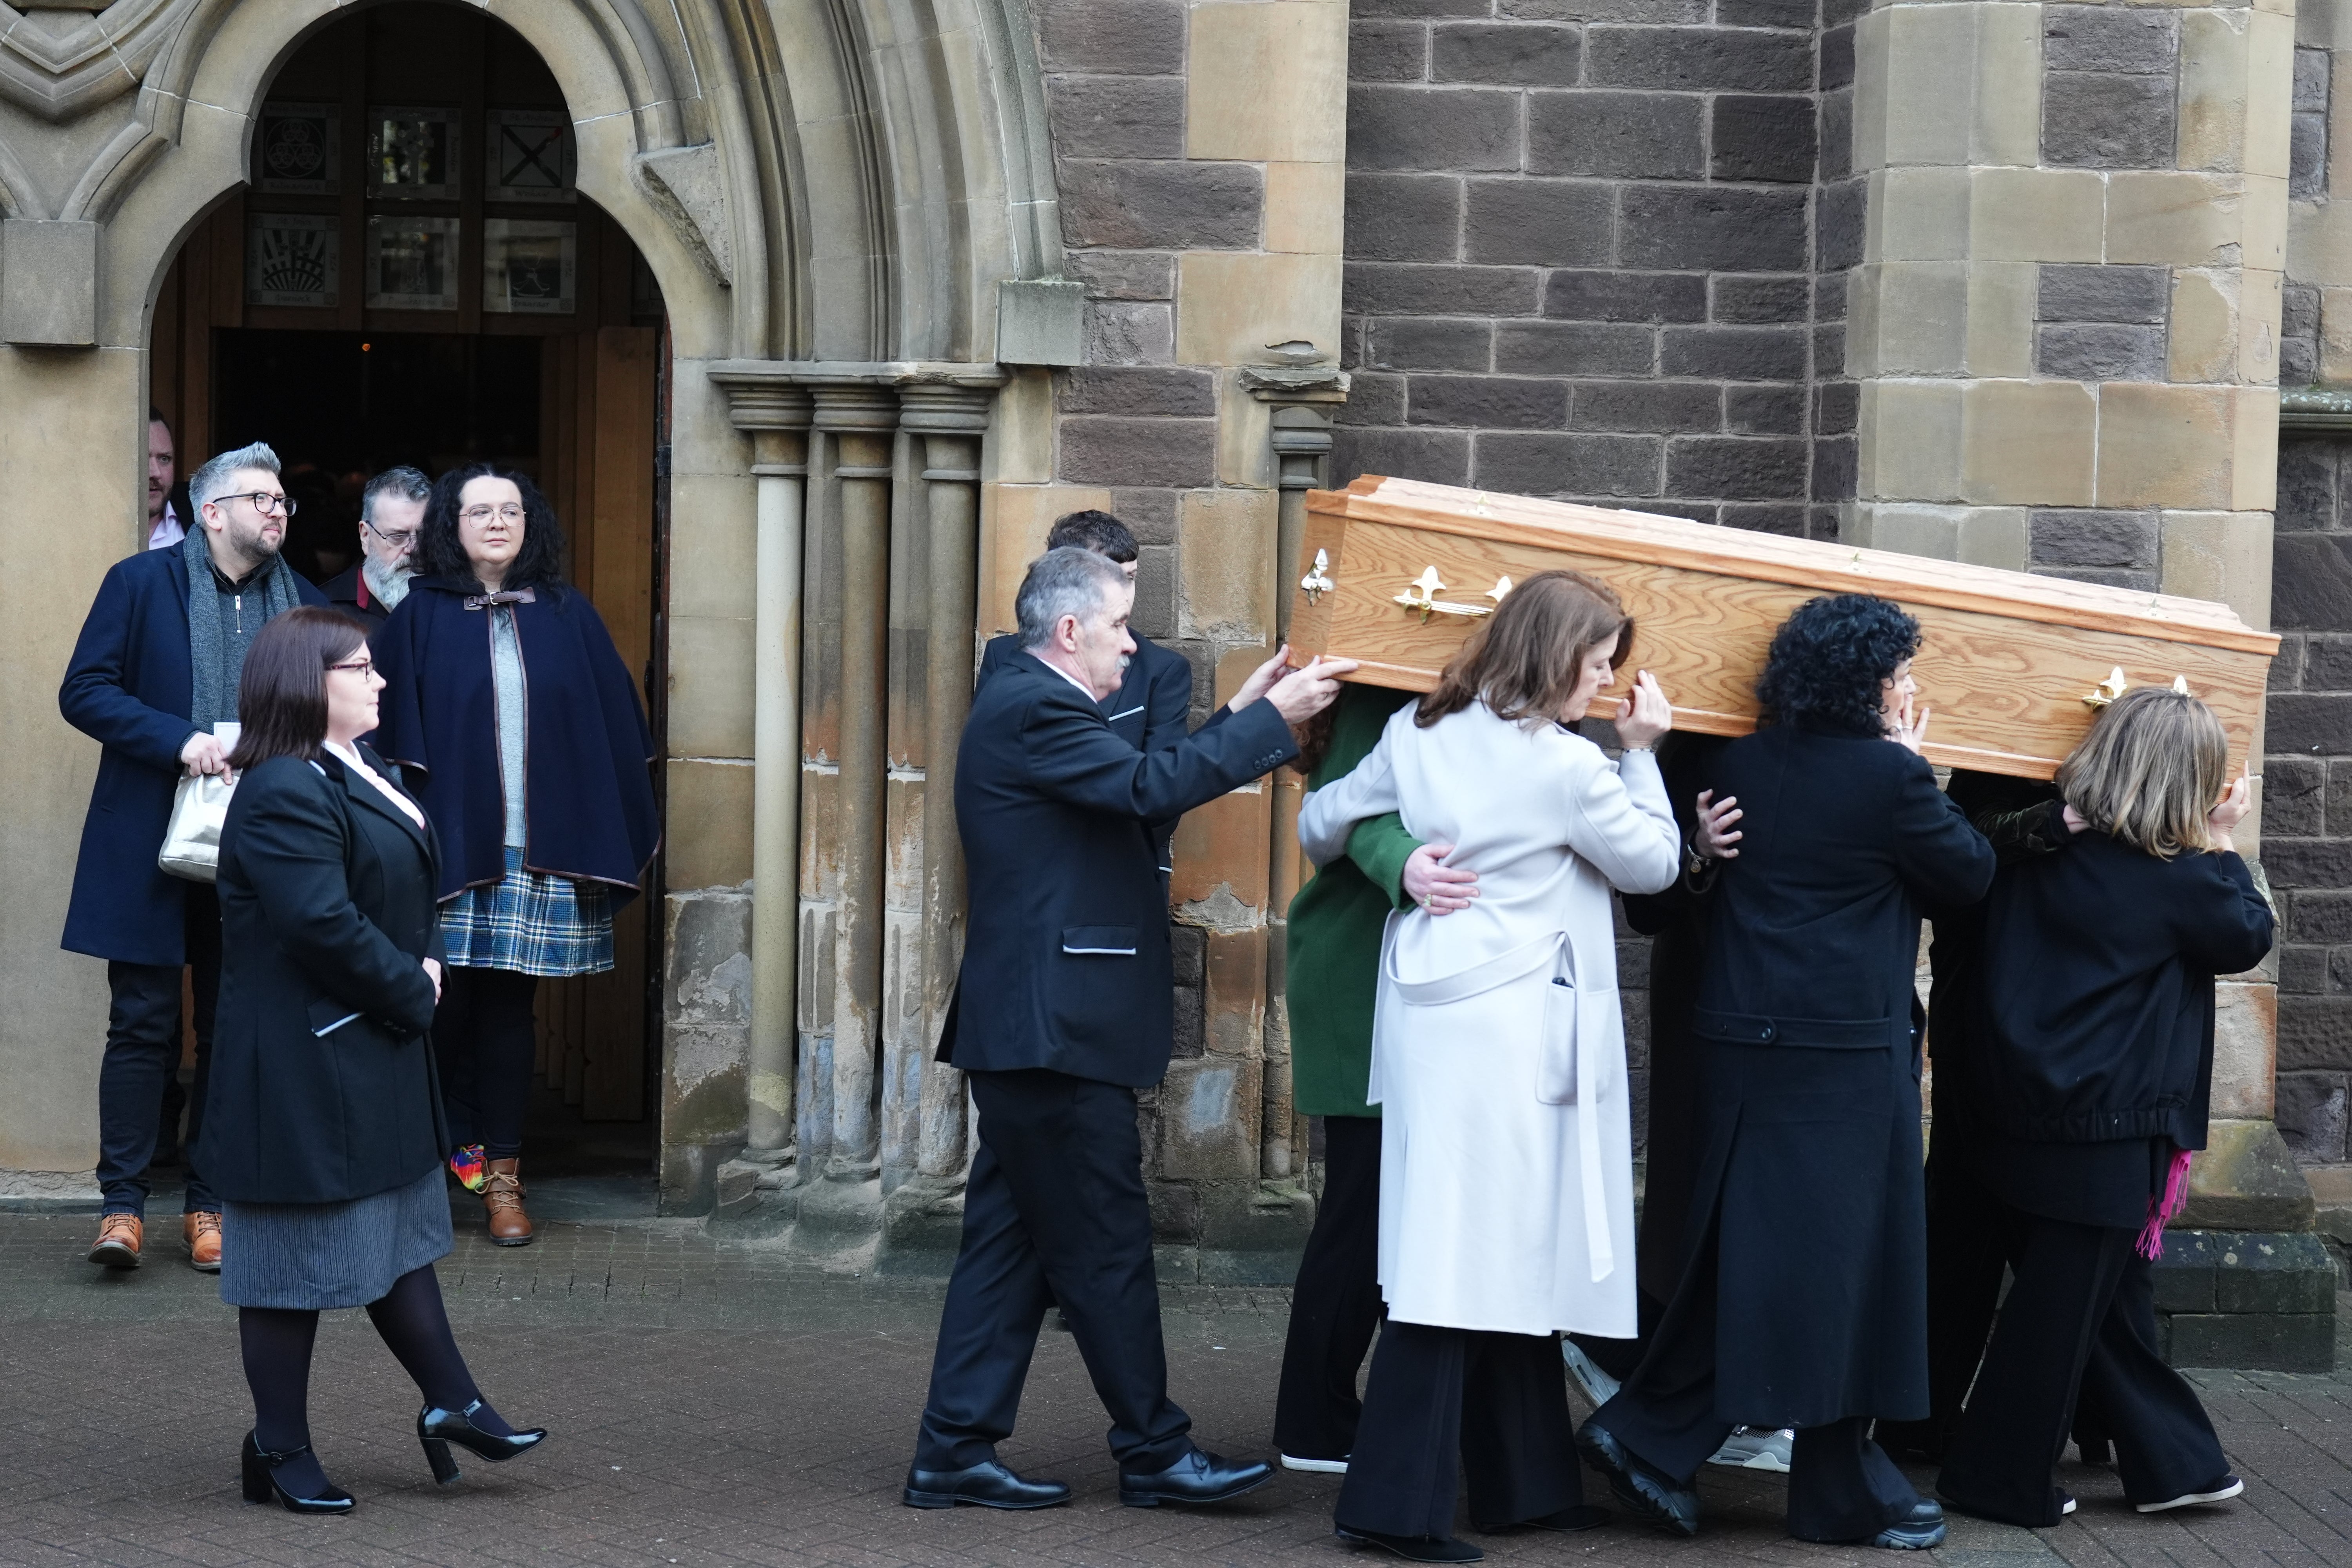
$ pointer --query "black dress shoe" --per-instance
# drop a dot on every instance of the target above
(1919, 1530)
(438, 1428)
(988, 1485)
(260, 1472)
(1654, 1498)
(1198, 1477)
(1414, 1548)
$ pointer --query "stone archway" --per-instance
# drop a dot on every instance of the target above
(846, 181)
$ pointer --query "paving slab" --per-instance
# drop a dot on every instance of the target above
(715, 1401)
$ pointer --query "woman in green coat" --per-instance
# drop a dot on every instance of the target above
(1332, 964)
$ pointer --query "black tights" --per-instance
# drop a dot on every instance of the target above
(484, 1034)
(277, 1344)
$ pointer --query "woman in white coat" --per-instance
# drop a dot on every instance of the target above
(1498, 1063)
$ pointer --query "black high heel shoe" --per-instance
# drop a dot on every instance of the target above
(260, 1465)
(438, 1428)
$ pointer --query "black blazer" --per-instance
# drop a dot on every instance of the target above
(1068, 964)
(322, 1086)
(2096, 1016)
(1814, 936)
(1151, 708)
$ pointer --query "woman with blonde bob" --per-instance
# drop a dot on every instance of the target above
(2094, 1029)
(1498, 1064)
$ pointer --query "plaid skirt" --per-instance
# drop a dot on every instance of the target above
(531, 923)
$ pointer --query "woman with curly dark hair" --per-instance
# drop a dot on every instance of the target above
(521, 730)
(1803, 1297)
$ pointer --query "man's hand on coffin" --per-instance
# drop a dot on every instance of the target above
(1716, 837)
(2234, 804)
(1433, 884)
(1262, 680)
(1302, 693)
(1645, 718)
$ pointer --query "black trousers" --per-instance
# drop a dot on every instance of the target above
(484, 1035)
(2081, 1314)
(1842, 1486)
(1968, 1247)
(1054, 1214)
(1335, 1303)
(1500, 1401)
(142, 1055)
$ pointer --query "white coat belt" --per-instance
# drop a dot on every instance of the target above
(1568, 1071)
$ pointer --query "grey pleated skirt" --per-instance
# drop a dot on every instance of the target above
(320, 1257)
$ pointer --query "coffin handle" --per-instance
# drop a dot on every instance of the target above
(1419, 597)
(1317, 583)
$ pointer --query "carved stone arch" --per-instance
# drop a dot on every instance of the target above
(188, 144)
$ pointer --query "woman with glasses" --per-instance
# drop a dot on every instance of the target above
(324, 1136)
(522, 733)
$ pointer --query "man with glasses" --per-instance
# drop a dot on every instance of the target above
(391, 513)
(153, 676)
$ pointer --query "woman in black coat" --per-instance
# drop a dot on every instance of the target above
(2093, 1029)
(325, 1125)
(1802, 1302)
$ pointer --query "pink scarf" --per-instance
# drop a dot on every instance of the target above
(2165, 1207)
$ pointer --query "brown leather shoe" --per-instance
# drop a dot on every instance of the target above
(502, 1203)
(201, 1231)
(119, 1236)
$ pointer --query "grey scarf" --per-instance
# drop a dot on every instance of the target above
(213, 698)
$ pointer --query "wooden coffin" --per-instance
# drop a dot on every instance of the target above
(1397, 572)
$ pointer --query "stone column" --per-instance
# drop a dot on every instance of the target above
(776, 417)
(2065, 328)
(1300, 402)
(856, 422)
(947, 423)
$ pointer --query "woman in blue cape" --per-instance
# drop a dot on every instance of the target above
(521, 730)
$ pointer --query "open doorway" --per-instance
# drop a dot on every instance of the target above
(411, 277)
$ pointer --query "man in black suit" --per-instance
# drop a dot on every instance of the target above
(1154, 705)
(1064, 1009)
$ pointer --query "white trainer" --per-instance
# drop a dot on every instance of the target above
(1597, 1386)
(1315, 1467)
(2230, 1486)
(1750, 1449)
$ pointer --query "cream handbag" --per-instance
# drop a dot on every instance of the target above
(192, 842)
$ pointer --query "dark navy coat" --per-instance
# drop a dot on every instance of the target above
(322, 1083)
(588, 785)
(1152, 707)
(1808, 1098)
(1068, 964)
(130, 688)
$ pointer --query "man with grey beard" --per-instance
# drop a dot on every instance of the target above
(391, 511)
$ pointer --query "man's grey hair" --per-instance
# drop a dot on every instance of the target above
(1070, 580)
(211, 482)
(407, 483)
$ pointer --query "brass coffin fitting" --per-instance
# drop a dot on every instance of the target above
(1317, 583)
(1419, 597)
(2116, 684)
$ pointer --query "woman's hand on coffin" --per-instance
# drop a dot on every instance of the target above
(1433, 884)
(1302, 693)
(2235, 803)
(1906, 732)
(1718, 837)
(1645, 718)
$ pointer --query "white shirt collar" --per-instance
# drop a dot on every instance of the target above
(1066, 675)
(167, 531)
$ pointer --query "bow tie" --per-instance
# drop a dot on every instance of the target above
(506, 596)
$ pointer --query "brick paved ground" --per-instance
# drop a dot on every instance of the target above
(715, 1404)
